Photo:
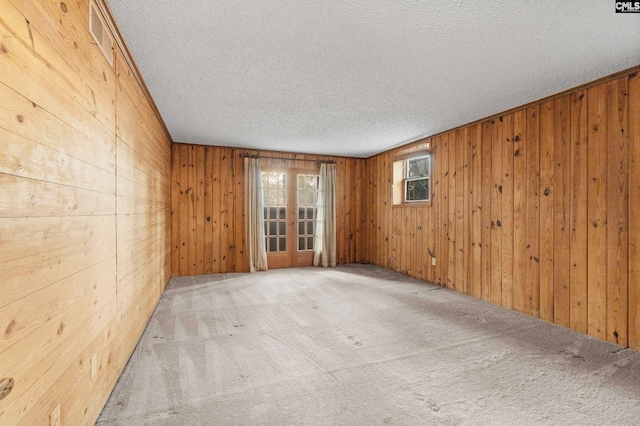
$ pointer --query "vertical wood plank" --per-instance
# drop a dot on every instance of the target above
(241, 259)
(562, 197)
(443, 261)
(451, 270)
(546, 209)
(341, 198)
(420, 249)
(459, 262)
(508, 148)
(380, 243)
(200, 208)
(386, 203)
(487, 212)
(216, 195)
(208, 210)
(519, 208)
(355, 211)
(597, 213)
(435, 213)
(466, 213)
(532, 258)
(193, 215)
(224, 209)
(410, 231)
(617, 210)
(175, 209)
(346, 242)
(430, 241)
(475, 180)
(366, 239)
(231, 213)
(377, 249)
(394, 243)
(184, 209)
(367, 194)
(578, 221)
(436, 197)
(351, 213)
(634, 212)
(373, 221)
(496, 213)
(403, 243)
(360, 240)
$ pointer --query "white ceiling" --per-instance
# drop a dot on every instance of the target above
(356, 77)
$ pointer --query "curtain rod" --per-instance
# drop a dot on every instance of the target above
(288, 159)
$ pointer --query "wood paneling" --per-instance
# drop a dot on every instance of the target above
(84, 213)
(578, 212)
(519, 210)
(561, 211)
(617, 209)
(634, 211)
(597, 212)
(474, 276)
(532, 235)
(537, 212)
(208, 206)
(547, 194)
(496, 211)
(485, 217)
(507, 214)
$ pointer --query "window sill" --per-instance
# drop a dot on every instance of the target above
(415, 204)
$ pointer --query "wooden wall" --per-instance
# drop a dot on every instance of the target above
(208, 207)
(84, 213)
(535, 210)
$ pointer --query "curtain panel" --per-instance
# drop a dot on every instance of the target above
(324, 248)
(254, 215)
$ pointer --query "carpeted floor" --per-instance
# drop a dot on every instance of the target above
(360, 345)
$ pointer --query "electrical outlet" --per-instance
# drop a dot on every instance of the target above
(94, 366)
(433, 261)
(5, 387)
(54, 417)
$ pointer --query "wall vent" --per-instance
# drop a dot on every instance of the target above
(100, 32)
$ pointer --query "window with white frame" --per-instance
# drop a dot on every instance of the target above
(412, 179)
(417, 177)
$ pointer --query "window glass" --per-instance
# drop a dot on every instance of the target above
(417, 167)
(417, 190)
(275, 212)
(307, 195)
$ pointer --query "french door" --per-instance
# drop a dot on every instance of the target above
(289, 197)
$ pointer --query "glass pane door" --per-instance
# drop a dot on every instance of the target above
(274, 189)
(307, 196)
(289, 216)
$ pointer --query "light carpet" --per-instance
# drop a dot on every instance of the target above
(361, 345)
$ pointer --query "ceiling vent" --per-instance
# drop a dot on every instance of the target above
(100, 33)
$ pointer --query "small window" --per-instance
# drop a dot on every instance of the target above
(412, 179)
(416, 182)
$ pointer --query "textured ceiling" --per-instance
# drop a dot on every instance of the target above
(356, 77)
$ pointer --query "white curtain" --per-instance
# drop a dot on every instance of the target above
(254, 215)
(324, 247)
